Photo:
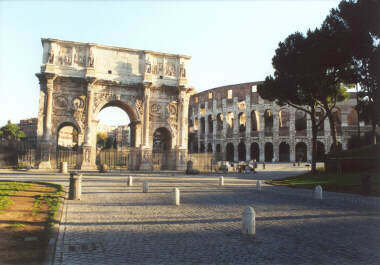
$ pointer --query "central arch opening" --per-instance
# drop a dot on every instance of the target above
(115, 135)
(162, 144)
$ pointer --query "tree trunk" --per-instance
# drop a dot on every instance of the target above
(314, 131)
(374, 130)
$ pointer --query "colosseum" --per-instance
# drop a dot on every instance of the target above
(235, 124)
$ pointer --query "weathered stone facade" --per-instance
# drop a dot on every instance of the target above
(78, 80)
(237, 123)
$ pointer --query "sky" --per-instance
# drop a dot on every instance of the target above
(230, 42)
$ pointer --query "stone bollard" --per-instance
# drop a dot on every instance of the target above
(75, 190)
(221, 181)
(130, 181)
(64, 167)
(318, 193)
(258, 185)
(249, 221)
(176, 196)
(145, 187)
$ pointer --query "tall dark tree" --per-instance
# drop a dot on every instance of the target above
(354, 31)
(304, 79)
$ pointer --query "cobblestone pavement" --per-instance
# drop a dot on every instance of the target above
(116, 224)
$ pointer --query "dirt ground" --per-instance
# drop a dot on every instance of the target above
(23, 234)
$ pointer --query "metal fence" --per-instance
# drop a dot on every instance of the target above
(114, 159)
(72, 157)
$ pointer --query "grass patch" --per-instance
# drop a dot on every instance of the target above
(16, 225)
(9, 188)
(347, 182)
(51, 200)
(29, 211)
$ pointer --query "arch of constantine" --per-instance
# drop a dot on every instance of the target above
(78, 80)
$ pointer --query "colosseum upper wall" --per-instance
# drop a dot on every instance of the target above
(236, 124)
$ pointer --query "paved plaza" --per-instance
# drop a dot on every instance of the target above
(116, 224)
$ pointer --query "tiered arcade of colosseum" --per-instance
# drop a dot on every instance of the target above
(236, 124)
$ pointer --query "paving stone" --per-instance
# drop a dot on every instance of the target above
(114, 225)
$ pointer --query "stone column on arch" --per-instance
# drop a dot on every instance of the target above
(89, 145)
(146, 149)
(135, 129)
(47, 81)
(183, 113)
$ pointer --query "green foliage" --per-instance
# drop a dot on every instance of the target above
(348, 182)
(364, 151)
(354, 32)
(51, 200)
(16, 225)
(11, 132)
(8, 189)
(101, 139)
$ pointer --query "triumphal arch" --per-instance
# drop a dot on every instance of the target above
(78, 80)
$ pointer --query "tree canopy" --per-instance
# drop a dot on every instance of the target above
(305, 78)
(354, 30)
(11, 132)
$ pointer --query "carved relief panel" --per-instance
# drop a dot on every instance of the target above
(65, 56)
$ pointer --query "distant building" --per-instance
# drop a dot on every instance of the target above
(67, 137)
(29, 127)
(120, 133)
(236, 124)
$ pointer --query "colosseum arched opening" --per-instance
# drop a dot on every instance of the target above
(242, 156)
(268, 151)
(255, 151)
(230, 152)
(301, 152)
(284, 152)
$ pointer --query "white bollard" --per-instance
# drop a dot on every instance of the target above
(221, 181)
(146, 187)
(258, 185)
(249, 221)
(176, 196)
(130, 181)
(318, 193)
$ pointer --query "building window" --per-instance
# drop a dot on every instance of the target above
(196, 99)
(210, 95)
(254, 88)
(229, 94)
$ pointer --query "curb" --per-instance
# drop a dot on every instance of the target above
(50, 250)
